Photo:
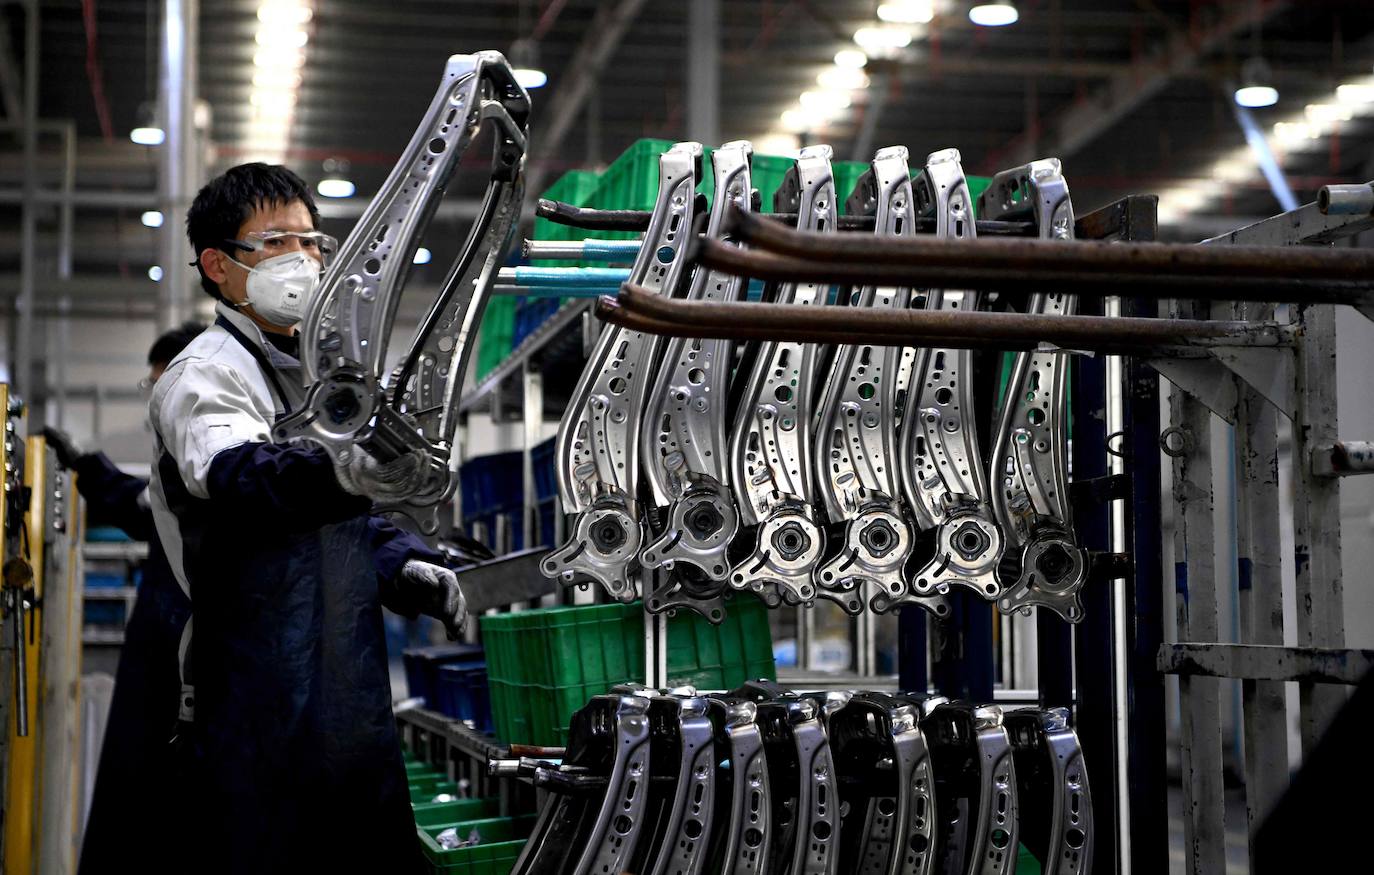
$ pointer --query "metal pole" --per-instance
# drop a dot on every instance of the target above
(28, 255)
(176, 99)
(1116, 414)
(703, 71)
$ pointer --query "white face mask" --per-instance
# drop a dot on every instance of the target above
(280, 287)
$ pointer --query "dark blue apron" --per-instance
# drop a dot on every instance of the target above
(294, 763)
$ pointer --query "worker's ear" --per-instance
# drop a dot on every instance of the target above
(212, 262)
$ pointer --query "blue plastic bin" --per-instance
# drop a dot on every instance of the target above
(104, 580)
(464, 694)
(422, 666)
(545, 477)
(491, 483)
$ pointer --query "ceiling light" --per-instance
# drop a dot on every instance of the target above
(796, 120)
(877, 39)
(152, 218)
(1294, 132)
(281, 77)
(529, 77)
(852, 59)
(998, 14)
(1257, 96)
(273, 104)
(1355, 93)
(1256, 89)
(422, 256)
(907, 11)
(842, 79)
(778, 143)
(147, 136)
(148, 131)
(334, 187)
(1326, 113)
(278, 59)
(824, 101)
(155, 273)
(284, 13)
(282, 39)
(335, 182)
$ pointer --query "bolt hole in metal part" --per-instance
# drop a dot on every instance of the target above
(349, 406)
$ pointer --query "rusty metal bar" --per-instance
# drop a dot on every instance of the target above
(638, 220)
(1343, 458)
(1257, 662)
(971, 330)
(978, 272)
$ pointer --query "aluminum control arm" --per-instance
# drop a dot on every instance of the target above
(1029, 471)
(743, 828)
(349, 408)
(975, 783)
(683, 435)
(1052, 788)
(943, 477)
(855, 448)
(770, 446)
(597, 447)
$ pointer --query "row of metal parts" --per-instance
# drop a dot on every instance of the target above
(746, 467)
(763, 781)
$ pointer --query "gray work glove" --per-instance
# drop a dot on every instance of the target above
(62, 444)
(395, 480)
(434, 591)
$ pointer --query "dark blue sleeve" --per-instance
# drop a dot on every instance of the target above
(291, 488)
(392, 548)
(112, 496)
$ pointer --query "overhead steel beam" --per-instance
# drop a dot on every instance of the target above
(607, 28)
(1124, 92)
(703, 71)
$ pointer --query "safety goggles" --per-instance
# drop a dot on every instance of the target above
(270, 243)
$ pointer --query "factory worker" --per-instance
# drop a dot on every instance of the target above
(289, 742)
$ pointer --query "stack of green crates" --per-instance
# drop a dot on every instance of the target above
(499, 838)
(543, 665)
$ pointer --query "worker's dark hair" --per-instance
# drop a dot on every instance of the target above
(226, 201)
(169, 343)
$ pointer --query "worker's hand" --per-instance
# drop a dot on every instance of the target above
(62, 444)
(434, 589)
(397, 479)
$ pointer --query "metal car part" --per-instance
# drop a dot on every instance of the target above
(771, 464)
(1029, 471)
(1054, 802)
(347, 325)
(942, 471)
(855, 449)
(685, 452)
(740, 841)
(886, 787)
(681, 791)
(594, 815)
(975, 783)
(802, 780)
(597, 446)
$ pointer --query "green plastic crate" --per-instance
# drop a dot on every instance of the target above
(432, 813)
(502, 840)
(543, 665)
(425, 791)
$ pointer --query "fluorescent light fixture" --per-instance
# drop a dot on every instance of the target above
(273, 104)
(155, 273)
(842, 79)
(335, 187)
(907, 11)
(778, 143)
(796, 120)
(827, 102)
(1257, 96)
(148, 136)
(282, 39)
(422, 256)
(1355, 93)
(1289, 133)
(1326, 113)
(998, 14)
(276, 77)
(887, 38)
(284, 13)
(529, 77)
(278, 59)
(152, 218)
(851, 59)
